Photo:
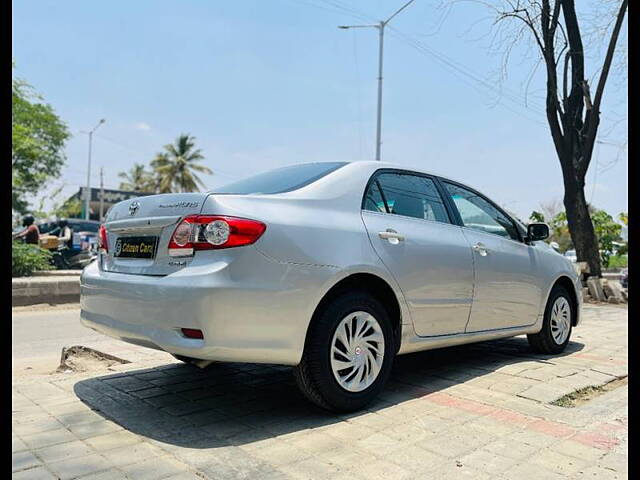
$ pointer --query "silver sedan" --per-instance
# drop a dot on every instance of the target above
(334, 268)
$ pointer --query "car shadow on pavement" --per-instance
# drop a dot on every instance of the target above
(235, 404)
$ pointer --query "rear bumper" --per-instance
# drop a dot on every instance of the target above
(250, 308)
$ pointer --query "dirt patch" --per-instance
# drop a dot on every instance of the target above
(84, 359)
(583, 395)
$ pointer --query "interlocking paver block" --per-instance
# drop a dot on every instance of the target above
(63, 451)
(488, 461)
(75, 467)
(94, 429)
(38, 473)
(113, 440)
(23, 460)
(50, 437)
(555, 461)
(153, 468)
(281, 453)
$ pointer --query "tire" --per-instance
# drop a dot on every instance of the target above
(318, 375)
(547, 340)
(60, 262)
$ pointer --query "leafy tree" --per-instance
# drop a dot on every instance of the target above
(137, 179)
(624, 218)
(174, 168)
(72, 208)
(536, 217)
(572, 111)
(38, 137)
(608, 231)
(560, 231)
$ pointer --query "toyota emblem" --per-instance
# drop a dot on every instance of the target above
(133, 208)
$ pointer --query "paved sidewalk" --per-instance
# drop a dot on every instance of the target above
(478, 411)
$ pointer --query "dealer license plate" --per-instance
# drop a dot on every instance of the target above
(136, 247)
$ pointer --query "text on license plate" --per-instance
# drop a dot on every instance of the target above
(136, 247)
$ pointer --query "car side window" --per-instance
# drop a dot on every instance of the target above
(373, 200)
(479, 214)
(411, 195)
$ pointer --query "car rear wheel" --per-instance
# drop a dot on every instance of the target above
(348, 353)
(556, 325)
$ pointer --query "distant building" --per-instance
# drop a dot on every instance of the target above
(111, 197)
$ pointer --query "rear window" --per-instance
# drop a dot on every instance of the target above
(84, 226)
(280, 180)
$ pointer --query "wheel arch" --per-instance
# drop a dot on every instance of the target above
(569, 286)
(377, 286)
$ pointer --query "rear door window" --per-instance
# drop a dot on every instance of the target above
(406, 194)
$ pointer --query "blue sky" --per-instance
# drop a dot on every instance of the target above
(262, 84)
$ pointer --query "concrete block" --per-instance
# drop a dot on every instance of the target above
(594, 284)
(613, 288)
(581, 267)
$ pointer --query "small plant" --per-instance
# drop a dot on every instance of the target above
(26, 259)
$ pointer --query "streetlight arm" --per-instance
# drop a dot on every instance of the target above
(347, 27)
(398, 11)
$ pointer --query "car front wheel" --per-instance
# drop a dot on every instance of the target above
(557, 323)
(348, 353)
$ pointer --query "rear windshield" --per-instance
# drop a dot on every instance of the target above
(84, 226)
(281, 180)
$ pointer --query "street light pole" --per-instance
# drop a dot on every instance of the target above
(88, 190)
(380, 26)
(379, 121)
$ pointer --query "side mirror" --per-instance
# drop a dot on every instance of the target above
(537, 231)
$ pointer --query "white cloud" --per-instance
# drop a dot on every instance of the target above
(145, 127)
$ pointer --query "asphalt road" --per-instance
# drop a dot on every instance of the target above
(38, 336)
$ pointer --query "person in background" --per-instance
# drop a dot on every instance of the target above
(65, 234)
(31, 234)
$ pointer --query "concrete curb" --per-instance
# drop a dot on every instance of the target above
(57, 273)
(45, 289)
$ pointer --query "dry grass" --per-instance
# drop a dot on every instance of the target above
(583, 395)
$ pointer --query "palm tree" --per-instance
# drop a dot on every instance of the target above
(174, 168)
(137, 179)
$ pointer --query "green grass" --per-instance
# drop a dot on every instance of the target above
(619, 261)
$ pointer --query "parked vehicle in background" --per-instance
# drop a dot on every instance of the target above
(334, 268)
(79, 251)
(571, 255)
(624, 278)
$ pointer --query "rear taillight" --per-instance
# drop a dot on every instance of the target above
(207, 232)
(102, 239)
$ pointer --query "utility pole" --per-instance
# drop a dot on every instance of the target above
(88, 191)
(101, 194)
(380, 26)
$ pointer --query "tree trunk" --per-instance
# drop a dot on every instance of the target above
(580, 226)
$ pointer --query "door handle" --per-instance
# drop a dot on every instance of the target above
(391, 235)
(481, 249)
